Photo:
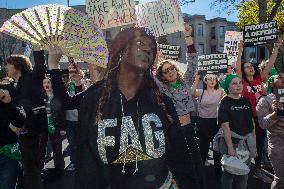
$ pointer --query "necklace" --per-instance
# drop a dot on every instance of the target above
(138, 125)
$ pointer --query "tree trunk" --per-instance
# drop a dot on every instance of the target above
(262, 4)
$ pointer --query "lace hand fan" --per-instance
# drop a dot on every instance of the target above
(70, 29)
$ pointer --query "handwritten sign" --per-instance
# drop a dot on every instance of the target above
(170, 51)
(231, 45)
(111, 13)
(160, 17)
(260, 34)
(212, 63)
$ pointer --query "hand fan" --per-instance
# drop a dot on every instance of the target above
(70, 29)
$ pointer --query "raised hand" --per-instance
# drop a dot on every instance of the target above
(5, 96)
(55, 55)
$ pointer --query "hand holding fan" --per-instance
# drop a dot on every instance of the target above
(70, 29)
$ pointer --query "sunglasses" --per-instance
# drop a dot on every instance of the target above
(169, 69)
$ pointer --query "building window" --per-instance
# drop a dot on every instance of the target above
(222, 31)
(178, 35)
(213, 49)
(200, 30)
(213, 35)
(201, 48)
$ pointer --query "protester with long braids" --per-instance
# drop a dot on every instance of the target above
(252, 90)
(208, 100)
(127, 104)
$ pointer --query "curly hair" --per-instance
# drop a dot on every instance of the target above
(20, 62)
(113, 71)
(159, 73)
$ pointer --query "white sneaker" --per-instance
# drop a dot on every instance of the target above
(258, 173)
(71, 167)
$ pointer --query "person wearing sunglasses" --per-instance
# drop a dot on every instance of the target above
(171, 81)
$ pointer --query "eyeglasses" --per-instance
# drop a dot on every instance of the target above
(169, 69)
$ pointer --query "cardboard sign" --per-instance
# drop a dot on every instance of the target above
(212, 63)
(160, 17)
(260, 34)
(231, 45)
(111, 13)
(170, 51)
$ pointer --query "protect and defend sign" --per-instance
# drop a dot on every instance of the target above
(260, 34)
(231, 45)
(160, 17)
(170, 51)
(212, 63)
(111, 13)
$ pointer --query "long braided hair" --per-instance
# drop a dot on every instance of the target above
(117, 51)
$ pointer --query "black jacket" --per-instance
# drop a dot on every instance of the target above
(99, 147)
(9, 114)
(30, 95)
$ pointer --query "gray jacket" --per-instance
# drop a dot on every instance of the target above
(219, 143)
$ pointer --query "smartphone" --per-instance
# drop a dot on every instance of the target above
(280, 98)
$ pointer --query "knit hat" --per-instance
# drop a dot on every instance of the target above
(227, 81)
(269, 81)
(125, 36)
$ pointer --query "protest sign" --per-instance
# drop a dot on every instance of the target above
(212, 63)
(260, 34)
(231, 45)
(170, 51)
(160, 17)
(111, 13)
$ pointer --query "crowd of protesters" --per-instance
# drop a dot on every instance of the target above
(141, 123)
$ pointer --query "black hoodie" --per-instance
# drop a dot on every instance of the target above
(155, 146)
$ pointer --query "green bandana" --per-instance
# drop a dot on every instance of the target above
(12, 151)
(71, 88)
(227, 81)
(175, 85)
(269, 81)
(50, 128)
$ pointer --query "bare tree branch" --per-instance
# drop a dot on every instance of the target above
(185, 2)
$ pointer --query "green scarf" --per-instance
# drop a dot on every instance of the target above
(175, 85)
(12, 151)
(51, 127)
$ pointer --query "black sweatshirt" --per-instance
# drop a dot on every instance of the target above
(30, 95)
(9, 114)
(102, 149)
